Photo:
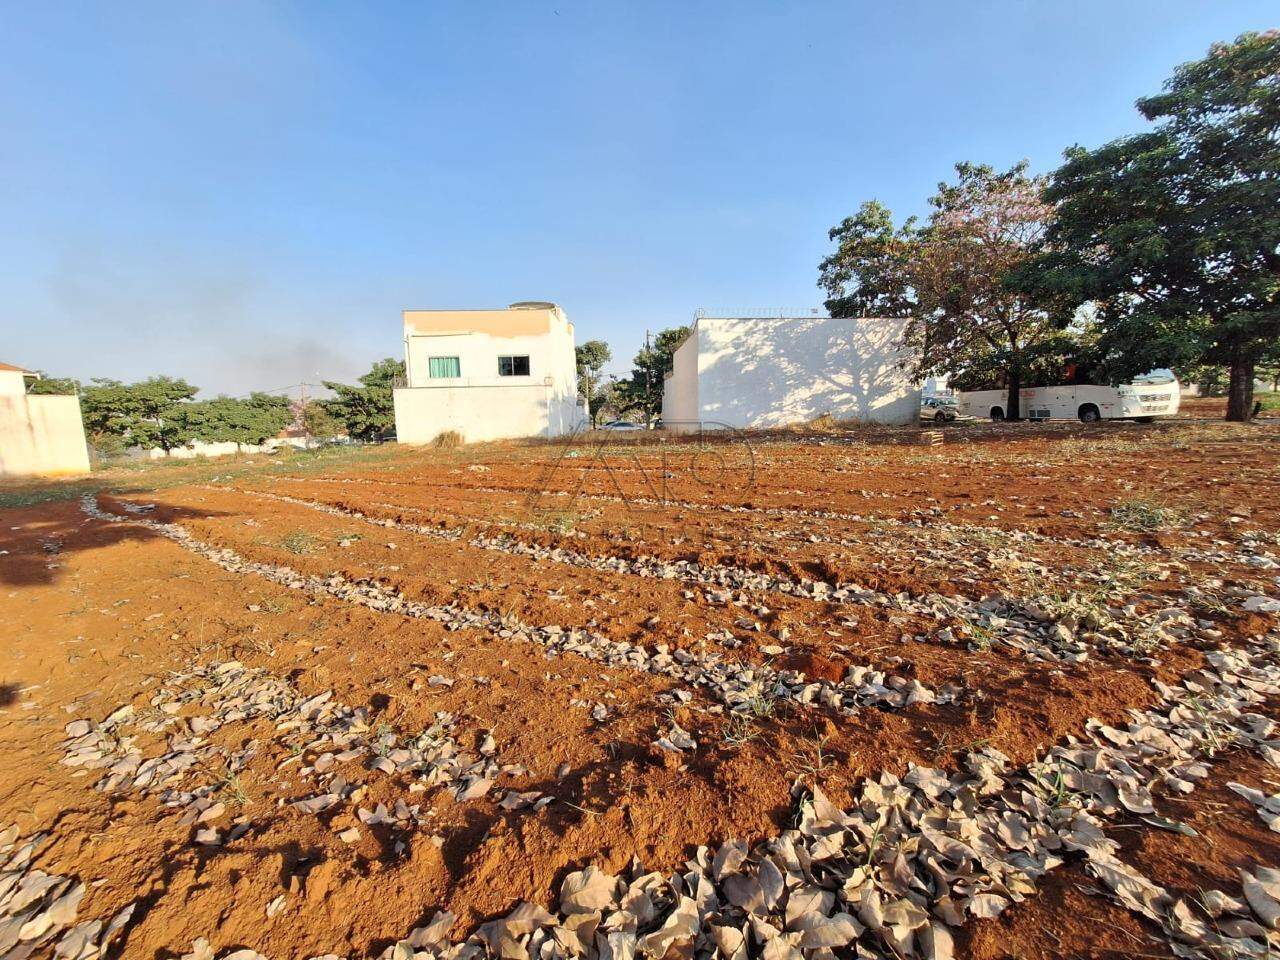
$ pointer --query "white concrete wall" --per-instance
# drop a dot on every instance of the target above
(41, 435)
(770, 372)
(218, 448)
(482, 413)
(12, 383)
(477, 355)
(680, 388)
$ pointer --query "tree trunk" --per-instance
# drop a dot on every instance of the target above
(1012, 410)
(1240, 389)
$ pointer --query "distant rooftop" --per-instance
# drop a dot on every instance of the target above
(524, 318)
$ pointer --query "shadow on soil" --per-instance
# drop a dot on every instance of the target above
(33, 553)
(8, 694)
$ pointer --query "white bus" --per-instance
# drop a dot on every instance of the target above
(1150, 396)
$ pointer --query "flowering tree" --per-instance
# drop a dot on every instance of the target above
(951, 278)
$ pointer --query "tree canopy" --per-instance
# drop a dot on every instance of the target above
(950, 278)
(140, 414)
(318, 421)
(160, 412)
(1174, 234)
(593, 386)
(367, 411)
(249, 420)
(55, 386)
(642, 389)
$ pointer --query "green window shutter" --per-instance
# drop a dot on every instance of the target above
(443, 367)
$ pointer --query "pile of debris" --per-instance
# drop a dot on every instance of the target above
(324, 733)
(38, 910)
(916, 856)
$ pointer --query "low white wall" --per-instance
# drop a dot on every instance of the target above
(41, 435)
(482, 413)
(220, 448)
(771, 372)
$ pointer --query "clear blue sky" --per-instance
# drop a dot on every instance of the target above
(248, 194)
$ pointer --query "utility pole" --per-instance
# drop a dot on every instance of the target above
(648, 383)
(302, 416)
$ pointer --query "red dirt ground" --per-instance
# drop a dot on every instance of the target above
(97, 615)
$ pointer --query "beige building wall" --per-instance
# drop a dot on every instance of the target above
(481, 413)
(479, 404)
(680, 388)
(41, 435)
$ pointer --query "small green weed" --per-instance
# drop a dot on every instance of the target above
(298, 542)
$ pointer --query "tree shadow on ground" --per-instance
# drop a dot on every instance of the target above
(33, 540)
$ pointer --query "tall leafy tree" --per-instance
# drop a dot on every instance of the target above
(59, 386)
(870, 273)
(367, 411)
(145, 414)
(593, 386)
(318, 422)
(951, 278)
(641, 391)
(248, 420)
(1175, 233)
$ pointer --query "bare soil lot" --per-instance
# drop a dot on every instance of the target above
(824, 695)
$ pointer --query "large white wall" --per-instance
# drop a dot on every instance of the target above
(482, 413)
(41, 435)
(770, 372)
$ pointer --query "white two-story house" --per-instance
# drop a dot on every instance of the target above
(488, 374)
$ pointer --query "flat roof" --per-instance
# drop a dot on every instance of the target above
(517, 320)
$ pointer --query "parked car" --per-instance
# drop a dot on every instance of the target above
(620, 425)
(937, 409)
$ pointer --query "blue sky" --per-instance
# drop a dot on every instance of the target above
(248, 194)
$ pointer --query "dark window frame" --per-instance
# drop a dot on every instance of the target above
(509, 365)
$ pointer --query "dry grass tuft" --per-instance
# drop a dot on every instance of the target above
(1143, 515)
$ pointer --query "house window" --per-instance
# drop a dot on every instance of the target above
(443, 367)
(513, 366)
